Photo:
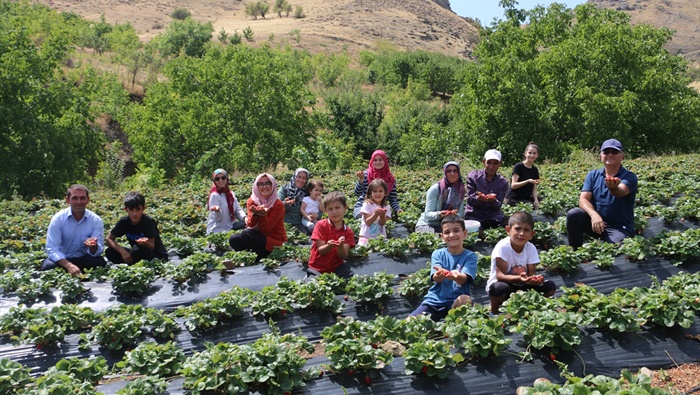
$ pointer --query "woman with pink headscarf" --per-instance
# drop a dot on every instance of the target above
(265, 221)
(378, 168)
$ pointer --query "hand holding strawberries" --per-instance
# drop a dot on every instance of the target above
(612, 182)
(338, 242)
(91, 242)
(445, 213)
(142, 240)
(486, 197)
(258, 210)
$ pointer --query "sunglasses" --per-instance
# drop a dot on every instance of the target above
(264, 184)
(219, 178)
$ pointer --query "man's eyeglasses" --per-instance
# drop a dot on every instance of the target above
(264, 184)
(219, 178)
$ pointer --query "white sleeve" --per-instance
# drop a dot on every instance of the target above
(214, 201)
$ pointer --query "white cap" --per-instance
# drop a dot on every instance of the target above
(492, 154)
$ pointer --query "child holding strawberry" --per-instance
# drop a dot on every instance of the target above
(513, 263)
(453, 271)
(141, 232)
(332, 239)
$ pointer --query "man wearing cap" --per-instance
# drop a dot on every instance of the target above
(486, 190)
(606, 204)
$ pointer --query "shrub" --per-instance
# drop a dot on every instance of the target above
(181, 13)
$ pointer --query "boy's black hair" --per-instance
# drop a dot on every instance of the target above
(453, 219)
(335, 196)
(314, 184)
(521, 217)
(134, 200)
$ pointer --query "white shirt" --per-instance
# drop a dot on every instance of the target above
(311, 205)
(515, 260)
(221, 221)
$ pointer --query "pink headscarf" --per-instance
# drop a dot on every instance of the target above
(258, 199)
(384, 173)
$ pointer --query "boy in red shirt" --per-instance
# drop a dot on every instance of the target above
(332, 239)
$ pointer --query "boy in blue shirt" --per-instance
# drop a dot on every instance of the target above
(453, 271)
(141, 232)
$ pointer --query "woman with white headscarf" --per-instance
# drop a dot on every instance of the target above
(443, 198)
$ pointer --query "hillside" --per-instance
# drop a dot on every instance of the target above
(329, 25)
(682, 16)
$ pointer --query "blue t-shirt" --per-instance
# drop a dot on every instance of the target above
(618, 213)
(445, 293)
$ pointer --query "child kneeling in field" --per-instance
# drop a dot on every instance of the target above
(332, 239)
(453, 271)
(513, 263)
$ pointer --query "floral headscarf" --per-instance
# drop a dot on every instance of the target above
(292, 191)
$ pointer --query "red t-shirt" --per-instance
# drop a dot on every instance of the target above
(324, 230)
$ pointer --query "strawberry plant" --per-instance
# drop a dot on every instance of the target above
(431, 357)
(354, 355)
(494, 235)
(628, 383)
(636, 249)
(521, 305)
(135, 279)
(416, 284)
(193, 267)
(13, 376)
(420, 327)
(332, 281)
(577, 298)
(148, 385)
(611, 313)
(544, 234)
(216, 370)
(99, 274)
(90, 369)
(43, 334)
(678, 246)
(275, 299)
(161, 360)
(220, 240)
(551, 329)
(270, 264)
(73, 318)
(161, 324)
(598, 252)
(184, 246)
(471, 328)
(424, 242)
(483, 268)
(72, 288)
(661, 306)
(241, 258)
(345, 328)
(471, 239)
(318, 295)
(120, 327)
(212, 312)
(59, 383)
(18, 318)
(562, 259)
(365, 289)
(295, 237)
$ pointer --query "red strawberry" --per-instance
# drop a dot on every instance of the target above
(39, 346)
(351, 372)
(320, 374)
(424, 369)
(368, 380)
(283, 311)
(346, 297)
(374, 345)
(552, 357)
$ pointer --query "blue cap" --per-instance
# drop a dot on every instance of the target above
(611, 143)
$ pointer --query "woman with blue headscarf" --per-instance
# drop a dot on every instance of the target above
(292, 194)
(443, 198)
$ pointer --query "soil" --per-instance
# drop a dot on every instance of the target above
(678, 380)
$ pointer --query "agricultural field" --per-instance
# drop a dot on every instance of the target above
(190, 326)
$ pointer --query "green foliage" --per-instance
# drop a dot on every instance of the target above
(330, 67)
(161, 360)
(42, 111)
(90, 369)
(236, 38)
(282, 6)
(248, 33)
(569, 77)
(299, 12)
(562, 258)
(365, 289)
(471, 328)
(148, 385)
(212, 312)
(185, 36)
(628, 383)
(257, 9)
(223, 36)
(252, 99)
(96, 35)
(416, 284)
(13, 376)
(60, 383)
(181, 13)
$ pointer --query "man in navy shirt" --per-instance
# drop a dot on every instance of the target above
(606, 204)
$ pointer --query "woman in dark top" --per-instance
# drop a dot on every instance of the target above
(525, 178)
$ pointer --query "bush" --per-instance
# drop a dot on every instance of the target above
(248, 33)
(181, 14)
(299, 12)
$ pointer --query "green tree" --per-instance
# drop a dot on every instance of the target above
(95, 35)
(573, 79)
(181, 13)
(281, 6)
(237, 107)
(188, 36)
(46, 142)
